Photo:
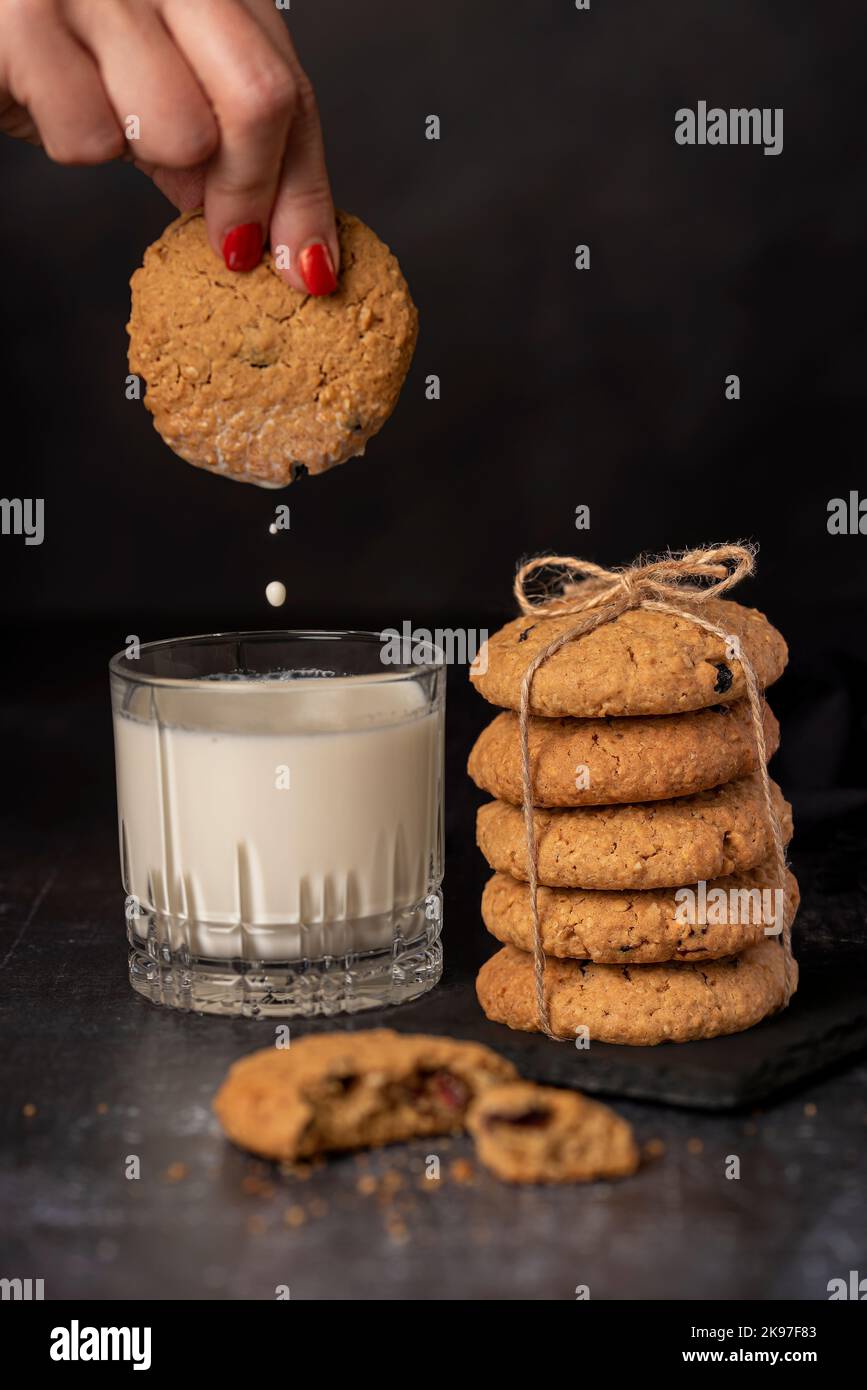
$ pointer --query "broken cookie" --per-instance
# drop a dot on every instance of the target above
(335, 1091)
(537, 1134)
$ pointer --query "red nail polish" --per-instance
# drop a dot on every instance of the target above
(242, 247)
(317, 272)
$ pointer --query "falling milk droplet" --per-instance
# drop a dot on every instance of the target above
(275, 593)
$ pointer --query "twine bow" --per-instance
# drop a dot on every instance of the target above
(676, 584)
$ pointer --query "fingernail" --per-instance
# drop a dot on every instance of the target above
(242, 247)
(317, 270)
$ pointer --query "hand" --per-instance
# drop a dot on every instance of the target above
(226, 115)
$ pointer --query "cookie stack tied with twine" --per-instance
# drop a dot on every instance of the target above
(638, 842)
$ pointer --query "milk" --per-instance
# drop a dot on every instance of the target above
(269, 819)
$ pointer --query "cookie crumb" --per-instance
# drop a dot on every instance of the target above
(462, 1171)
(28, 1110)
(176, 1172)
(254, 1186)
(653, 1148)
(102, 1108)
(397, 1230)
(391, 1182)
(811, 1110)
(294, 1217)
(695, 1146)
(301, 1171)
(366, 1185)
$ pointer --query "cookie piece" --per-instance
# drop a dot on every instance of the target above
(643, 662)
(332, 1091)
(640, 1005)
(651, 844)
(595, 762)
(633, 928)
(526, 1133)
(250, 378)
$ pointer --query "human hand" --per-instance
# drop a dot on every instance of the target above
(206, 96)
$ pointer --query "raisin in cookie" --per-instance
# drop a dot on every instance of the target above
(250, 378)
(537, 1134)
(636, 928)
(640, 1005)
(643, 662)
(658, 844)
(595, 762)
(331, 1091)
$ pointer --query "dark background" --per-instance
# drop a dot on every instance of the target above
(559, 388)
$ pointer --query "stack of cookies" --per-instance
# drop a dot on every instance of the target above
(643, 762)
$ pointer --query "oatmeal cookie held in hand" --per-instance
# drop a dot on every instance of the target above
(252, 379)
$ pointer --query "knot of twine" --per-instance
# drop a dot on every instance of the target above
(676, 584)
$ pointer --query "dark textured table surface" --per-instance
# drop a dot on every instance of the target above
(92, 1075)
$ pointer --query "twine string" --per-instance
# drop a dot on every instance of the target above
(674, 584)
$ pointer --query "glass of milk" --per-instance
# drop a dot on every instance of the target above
(280, 813)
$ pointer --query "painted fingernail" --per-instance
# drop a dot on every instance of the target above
(242, 247)
(317, 270)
